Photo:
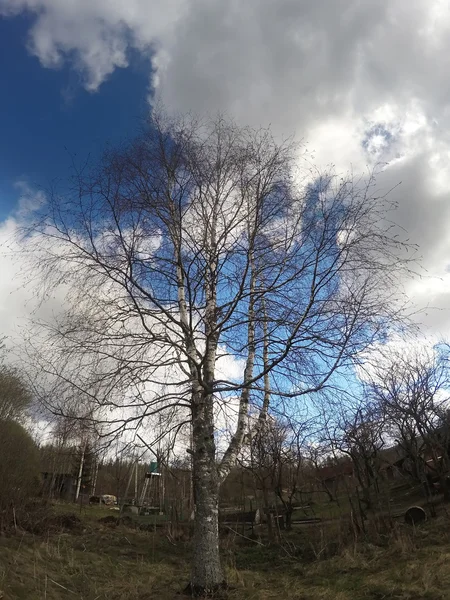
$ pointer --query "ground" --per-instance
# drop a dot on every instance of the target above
(90, 560)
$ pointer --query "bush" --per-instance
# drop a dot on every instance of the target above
(19, 468)
(39, 518)
(15, 396)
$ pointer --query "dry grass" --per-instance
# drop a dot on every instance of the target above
(99, 563)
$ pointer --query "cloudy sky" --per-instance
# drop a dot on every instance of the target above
(360, 81)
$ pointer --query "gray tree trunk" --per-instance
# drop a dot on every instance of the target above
(207, 575)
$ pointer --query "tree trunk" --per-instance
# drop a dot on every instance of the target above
(445, 487)
(80, 473)
(267, 512)
(94, 481)
(366, 497)
(207, 575)
(327, 491)
(289, 511)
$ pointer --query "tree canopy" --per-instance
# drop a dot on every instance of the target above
(204, 268)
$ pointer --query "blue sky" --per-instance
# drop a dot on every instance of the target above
(360, 82)
(46, 115)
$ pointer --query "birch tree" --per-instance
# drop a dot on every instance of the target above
(206, 268)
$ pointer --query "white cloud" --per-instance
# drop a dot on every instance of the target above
(323, 69)
(332, 72)
(20, 299)
(95, 36)
(360, 82)
(29, 200)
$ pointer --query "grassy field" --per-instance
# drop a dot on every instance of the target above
(94, 561)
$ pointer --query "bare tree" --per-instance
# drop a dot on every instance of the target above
(262, 460)
(278, 459)
(412, 389)
(197, 246)
(362, 439)
(320, 458)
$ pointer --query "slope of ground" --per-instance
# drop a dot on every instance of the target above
(97, 561)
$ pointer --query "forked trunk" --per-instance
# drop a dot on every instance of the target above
(207, 576)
